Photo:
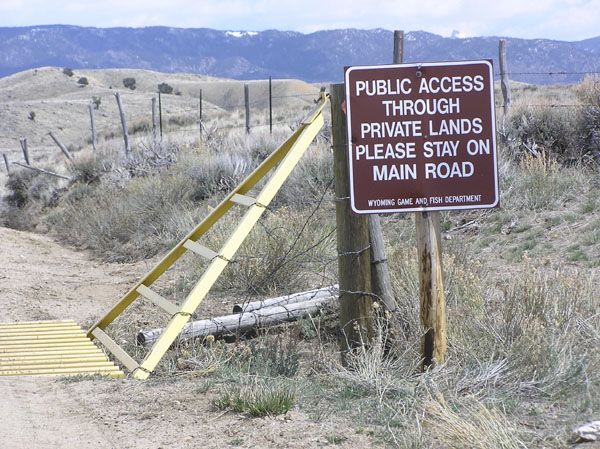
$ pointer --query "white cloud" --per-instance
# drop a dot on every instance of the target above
(560, 19)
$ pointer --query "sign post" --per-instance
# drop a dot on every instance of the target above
(421, 138)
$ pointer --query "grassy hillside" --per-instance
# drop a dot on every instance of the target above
(59, 103)
(521, 280)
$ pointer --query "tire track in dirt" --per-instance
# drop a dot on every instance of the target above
(38, 413)
(41, 280)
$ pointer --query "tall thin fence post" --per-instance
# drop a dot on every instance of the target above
(270, 105)
(380, 274)
(154, 120)
(6, 163)
(504, 85)
(93, 125)
(398, 46)
(354, 265)
(200, 124)
(123, 124)
(160, 124)
(60, 145)
(23, 142)
(247, 107)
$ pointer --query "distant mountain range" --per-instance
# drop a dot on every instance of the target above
(314, 57)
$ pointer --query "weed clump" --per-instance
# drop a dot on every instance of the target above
(257, 397)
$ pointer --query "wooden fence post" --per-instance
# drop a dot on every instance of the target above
(61, 146)
(93, 125)
(398, 46)
(160, 125)
(23, 142)
(200, 124)
(6, 163)
(356, 312)
(154, 120)
(380, 273)
(247, 106)
(270, 105)
(433, 302)
(123, 124)
(504, 76)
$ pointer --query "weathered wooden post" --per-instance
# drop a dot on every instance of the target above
(41, 170)
(356, 312)
(154, 120)
(247, 107)
(504, 85)
(123, 124)
(6, 163)
(160, 124)
(380, 273)
(398, 46)
(431, 287)
(61, 146)
(23, 142)
(93, 125)
(200, 124)
(270, 106)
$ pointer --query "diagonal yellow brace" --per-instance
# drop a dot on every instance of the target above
(283, 160)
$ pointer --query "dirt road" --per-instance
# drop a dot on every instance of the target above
(39, 279)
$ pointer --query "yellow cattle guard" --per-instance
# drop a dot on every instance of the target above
(51, 348)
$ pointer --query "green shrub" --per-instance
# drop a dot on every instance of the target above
(545, 129)
(27, 187)
(89, 168)
(67, 71)
(83, 81)
(164, 88)
(280, 252)
(218, 173)
(96, 102)
(129, 83)
(588, 92)
(18, 187)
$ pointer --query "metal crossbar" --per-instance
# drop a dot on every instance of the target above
(280, 164)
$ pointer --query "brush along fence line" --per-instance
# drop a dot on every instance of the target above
(195, 115)
(247, 101)
(253, 315)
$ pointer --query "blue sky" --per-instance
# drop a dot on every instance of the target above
(554, 19)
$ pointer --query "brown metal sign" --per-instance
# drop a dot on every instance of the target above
(421, 137)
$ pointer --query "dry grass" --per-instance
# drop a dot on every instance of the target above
(471, 424)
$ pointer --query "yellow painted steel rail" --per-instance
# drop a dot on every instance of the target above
(51, 348)
(279, 164)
